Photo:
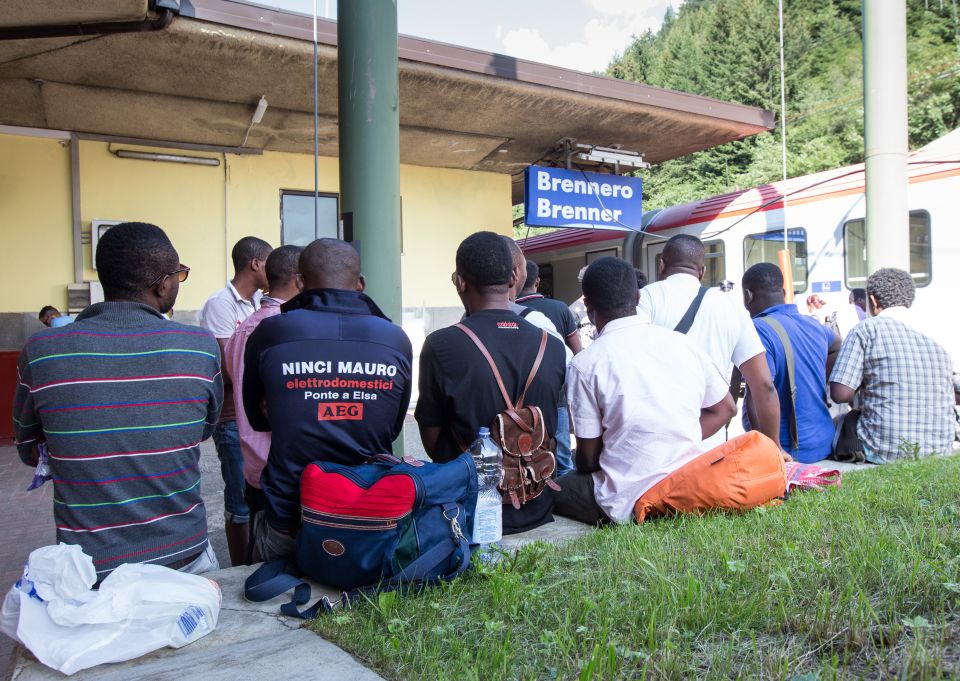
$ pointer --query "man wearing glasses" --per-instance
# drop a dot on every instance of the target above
(121, 400)
(223, 312)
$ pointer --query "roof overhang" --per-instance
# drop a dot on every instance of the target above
(199, 80)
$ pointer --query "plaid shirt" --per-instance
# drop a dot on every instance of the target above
(905, 381)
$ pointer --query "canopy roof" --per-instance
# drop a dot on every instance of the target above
(198, 80)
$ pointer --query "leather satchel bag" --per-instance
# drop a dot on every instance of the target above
(528, 460)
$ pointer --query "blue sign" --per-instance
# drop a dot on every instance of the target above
(826, 286)
(556, 197)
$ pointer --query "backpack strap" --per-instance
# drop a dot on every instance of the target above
(511, 409)
(781, 332)
(274, 578)
(496, 372)
(525, 312)
(687, 321)
(535, 368)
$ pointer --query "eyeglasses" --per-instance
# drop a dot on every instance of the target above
(182, 273)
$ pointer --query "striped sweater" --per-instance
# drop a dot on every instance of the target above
(123, 398)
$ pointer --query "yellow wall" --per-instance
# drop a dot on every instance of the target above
(254, 189)
(441, 208)
(185, 200)
(36, 260)
(205, 209)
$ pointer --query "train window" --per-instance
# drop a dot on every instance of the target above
(764, 247)
(855, 250)
(593, 255)
(546, 280)
(715, 262)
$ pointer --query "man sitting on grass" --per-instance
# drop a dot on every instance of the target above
(800, 352)
(904, 377)
(642, 398)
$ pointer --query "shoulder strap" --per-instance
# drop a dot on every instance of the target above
(534, 368)
(526, 310)
(687, 321)
(791, 374)
(486, 354)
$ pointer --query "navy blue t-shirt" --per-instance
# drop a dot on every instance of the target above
(336, 376)
(810, 340)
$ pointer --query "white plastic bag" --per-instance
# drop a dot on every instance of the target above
(138, 609)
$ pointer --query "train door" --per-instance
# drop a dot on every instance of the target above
(652, 265)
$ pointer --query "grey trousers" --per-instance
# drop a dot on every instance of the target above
(268, 543)
(576, 499)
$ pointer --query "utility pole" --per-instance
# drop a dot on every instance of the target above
(885, 133)
(369, 118)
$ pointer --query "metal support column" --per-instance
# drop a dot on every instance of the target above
(370, 143)
(885, 133)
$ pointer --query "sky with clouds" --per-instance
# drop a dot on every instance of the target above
(583, 35)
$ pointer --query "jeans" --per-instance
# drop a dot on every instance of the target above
(227, 440)
(206, 562)
(563, 453)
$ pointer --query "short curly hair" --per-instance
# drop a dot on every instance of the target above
(891, 287)
(130, 256)
(610, 284)
(484, 260)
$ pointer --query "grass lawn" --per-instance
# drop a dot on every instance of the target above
(862, 581)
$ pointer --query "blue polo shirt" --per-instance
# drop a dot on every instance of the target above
(810, 341)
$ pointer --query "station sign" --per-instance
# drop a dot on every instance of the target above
(557, 197)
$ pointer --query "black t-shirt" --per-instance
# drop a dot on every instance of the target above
(554, 310)
(458, 389)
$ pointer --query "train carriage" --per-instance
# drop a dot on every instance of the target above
(823, 215)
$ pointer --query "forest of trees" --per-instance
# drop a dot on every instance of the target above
(729, 49)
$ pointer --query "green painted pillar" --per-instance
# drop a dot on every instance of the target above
(369, 118)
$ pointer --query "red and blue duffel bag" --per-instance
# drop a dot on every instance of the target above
(378, 526)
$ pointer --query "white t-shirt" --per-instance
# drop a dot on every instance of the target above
(641, 389)
(722, 328)
(226, 309)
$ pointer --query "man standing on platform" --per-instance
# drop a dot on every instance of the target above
(716, 322)
(221, 315)
(283, 284)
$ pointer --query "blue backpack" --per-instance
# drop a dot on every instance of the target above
(378, 526)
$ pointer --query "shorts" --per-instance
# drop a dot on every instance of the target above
(227, 440)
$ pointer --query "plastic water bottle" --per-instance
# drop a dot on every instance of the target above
(488, 519)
